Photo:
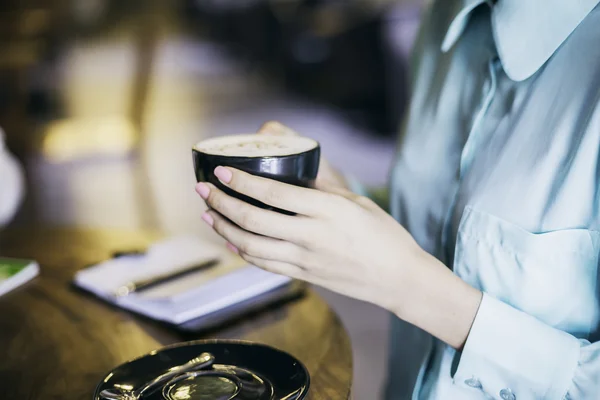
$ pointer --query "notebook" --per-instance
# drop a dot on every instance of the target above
(231, 281)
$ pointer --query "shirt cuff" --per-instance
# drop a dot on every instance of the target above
(511, 355)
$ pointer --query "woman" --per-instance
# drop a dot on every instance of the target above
(496, 190)
(11, 183)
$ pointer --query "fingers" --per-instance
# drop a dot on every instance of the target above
(253, 245)
(255, 219)
(277, 129)
(328, 187)
(276, 267)
(363, 201)
(296, 199)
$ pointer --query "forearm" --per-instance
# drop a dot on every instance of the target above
(437, 301)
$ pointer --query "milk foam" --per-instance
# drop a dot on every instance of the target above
(254, 145)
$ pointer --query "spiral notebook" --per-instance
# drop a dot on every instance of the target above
(229, 282)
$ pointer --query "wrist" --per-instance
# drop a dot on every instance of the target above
(436, 300)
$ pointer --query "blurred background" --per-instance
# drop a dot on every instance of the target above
(101, 100)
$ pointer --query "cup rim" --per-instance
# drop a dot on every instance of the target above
(315, 148)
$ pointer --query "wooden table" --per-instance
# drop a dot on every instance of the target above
(57, 342)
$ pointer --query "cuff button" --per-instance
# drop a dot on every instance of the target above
(473, 382)
(507, 394)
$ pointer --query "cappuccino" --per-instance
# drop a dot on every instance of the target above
(253, 145)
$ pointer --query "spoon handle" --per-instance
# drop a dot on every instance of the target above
(202, 361)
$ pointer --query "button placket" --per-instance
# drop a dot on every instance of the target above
(468, 150)
(474, 135)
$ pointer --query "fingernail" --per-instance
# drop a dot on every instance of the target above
(223, 174)
(206, 217)
(232, 248)
(203, 190)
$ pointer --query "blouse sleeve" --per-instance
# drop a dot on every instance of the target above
(513, 355)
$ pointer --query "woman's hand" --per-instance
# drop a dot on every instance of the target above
(340, 241)
(327, 176)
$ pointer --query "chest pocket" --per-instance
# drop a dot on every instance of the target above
(552, 276)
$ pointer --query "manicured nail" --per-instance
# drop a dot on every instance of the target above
(223, 174)
(206, 217)
(232, 248)
(203, 190)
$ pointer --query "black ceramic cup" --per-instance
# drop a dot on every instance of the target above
(292, 160)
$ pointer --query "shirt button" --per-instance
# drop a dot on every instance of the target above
(507, 394)
(474, 383)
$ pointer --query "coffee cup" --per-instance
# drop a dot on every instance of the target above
(289, 159)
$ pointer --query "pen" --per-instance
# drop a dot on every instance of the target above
(136, 286)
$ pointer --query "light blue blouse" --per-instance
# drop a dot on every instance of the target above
(498, 175)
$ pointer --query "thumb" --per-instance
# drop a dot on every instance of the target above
(276, 129)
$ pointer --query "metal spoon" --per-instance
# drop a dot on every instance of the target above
(202, 361)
